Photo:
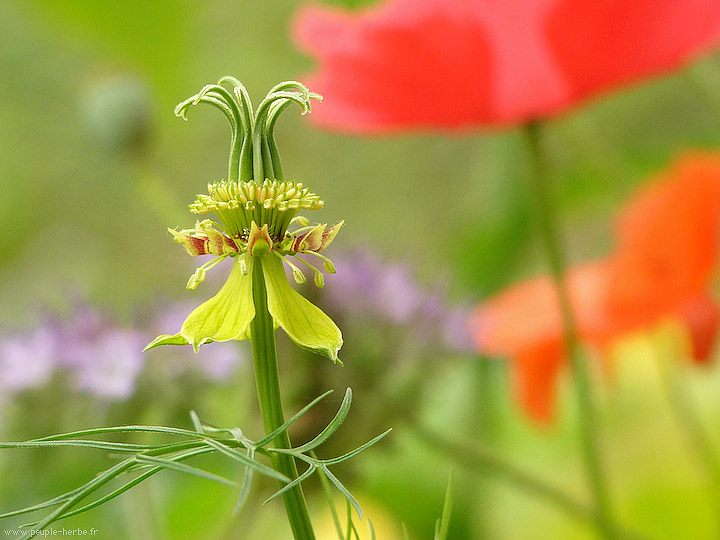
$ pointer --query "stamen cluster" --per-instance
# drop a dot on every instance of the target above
(238, 204)
(254, 220)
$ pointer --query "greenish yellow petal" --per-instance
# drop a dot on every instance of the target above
(166, 339)
(227, 315)
(306, 324)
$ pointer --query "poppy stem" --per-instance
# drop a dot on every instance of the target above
(581, 376)
(262, 335)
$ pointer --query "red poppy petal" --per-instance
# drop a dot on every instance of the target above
(517, 319)
(319, 28)
(407, 63)
(603, 43)
(528, 313)
(536, 373)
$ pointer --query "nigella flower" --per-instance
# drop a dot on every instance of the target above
(259, 229)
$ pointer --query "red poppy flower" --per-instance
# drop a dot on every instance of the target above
(668, 238)
(460, 63)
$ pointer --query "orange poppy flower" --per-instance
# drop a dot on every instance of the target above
(668, 238)
(667, 243)
(461, 63)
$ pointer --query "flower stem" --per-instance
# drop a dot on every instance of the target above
(581, 376)
(262, 335)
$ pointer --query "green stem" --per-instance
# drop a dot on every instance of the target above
(262, 335)
(581, 376)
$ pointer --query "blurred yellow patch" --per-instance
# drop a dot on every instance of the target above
(385, 525)
(641, 355)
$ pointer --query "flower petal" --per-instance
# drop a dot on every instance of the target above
(606, 43)
(306, 324)
(329, 235)
(166, 339)
(371, 83)
(417, 64)
(227, 315)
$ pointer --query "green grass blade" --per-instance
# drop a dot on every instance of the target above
(441, 528)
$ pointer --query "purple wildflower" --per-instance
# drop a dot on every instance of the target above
(108, 364)
(220, 360)
(367, 287)
(364, 284)
(101, 358)
(27, 361)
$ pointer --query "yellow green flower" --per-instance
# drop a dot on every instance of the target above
(259, 228)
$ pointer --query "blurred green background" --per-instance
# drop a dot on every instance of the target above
(94, 166)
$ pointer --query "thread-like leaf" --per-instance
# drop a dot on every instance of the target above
(196, 422)
(245, 460)
(120, 429)
(291, 421)
(310, 470)
(342, 489)
(327, 490)
(246, 483)
(102, 445)
(52, 502)
(334, 424)
(93, 485)
(371, 529)
(181, 467)
(355, 452)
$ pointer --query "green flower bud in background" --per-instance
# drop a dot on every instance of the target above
(117, 112)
